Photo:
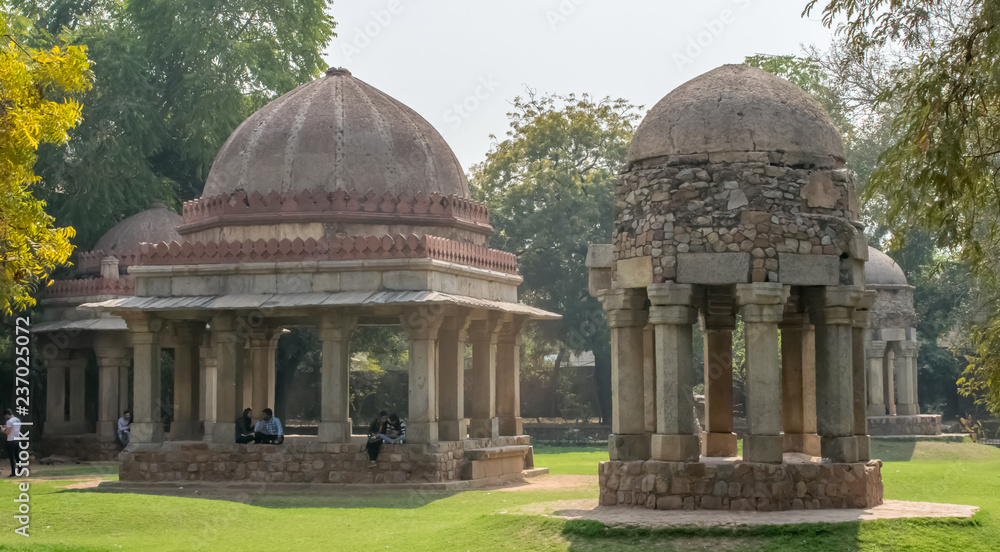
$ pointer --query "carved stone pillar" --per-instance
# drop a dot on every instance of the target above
(110, 362)
(672, 315)
(875, 354)
(483, 334)
(230, 347)
(187, 382)
(798, 382)
(627, 318)
(761, 306)
(421, 328)
(335, 334)
(906, 371)
(718, 323)
(208, 389)
(508, 375)
(452, 337)
(147, 420)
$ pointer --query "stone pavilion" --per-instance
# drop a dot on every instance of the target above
(334, 206)
(735, 202)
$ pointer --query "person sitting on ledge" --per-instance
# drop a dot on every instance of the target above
(376, 435)
(268, 430)
(244, 429)
(124, 428)
(395, 430)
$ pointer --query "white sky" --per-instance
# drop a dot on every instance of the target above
(434, 54)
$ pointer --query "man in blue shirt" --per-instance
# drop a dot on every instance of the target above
(268, 430)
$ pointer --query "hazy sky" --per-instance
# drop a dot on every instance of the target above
(459, 64)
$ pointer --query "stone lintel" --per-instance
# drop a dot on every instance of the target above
(808, 270)
(600, 255)
(713, 268)
(762, 293)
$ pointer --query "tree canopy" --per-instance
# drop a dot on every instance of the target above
(173, 79)
(549, 188)
(34, 109)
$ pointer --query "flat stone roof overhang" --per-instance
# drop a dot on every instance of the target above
(278, 302)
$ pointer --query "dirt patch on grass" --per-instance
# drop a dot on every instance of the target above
(552, 482)
(92, 484)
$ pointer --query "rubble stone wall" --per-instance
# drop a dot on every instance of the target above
(740, 485)
(922, 424)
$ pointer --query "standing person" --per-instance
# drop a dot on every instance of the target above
(268, 430)
(12, 432)
(244, 429)
(124, 428)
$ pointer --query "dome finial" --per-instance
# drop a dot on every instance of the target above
(337, 71)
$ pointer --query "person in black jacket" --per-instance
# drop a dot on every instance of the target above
(376, 431)
(244, 428)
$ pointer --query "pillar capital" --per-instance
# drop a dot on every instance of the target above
(332, 327)
(142, 324)
(486, 330)
(669, 293)
(422, 323)
(113, 356)
(908, 349)
(718, 309)
(762, 293)
(623, 299)
(512, 329)
(457, 321)
(875, 349)
(673, 314)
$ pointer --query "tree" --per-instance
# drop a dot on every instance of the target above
(946, 134)
(34, 109)
(173, 79)
(549, 188)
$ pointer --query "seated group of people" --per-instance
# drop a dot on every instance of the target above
(386, 429)
(266, 431)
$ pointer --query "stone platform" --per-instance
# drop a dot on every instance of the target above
(731, 484)
(301, 461)
(919, 424)
(88, 447)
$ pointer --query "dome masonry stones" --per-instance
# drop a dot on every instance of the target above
(735, 201)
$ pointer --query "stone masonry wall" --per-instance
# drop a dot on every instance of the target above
(740, 486)
(309, 463)
(922, 424)
(85, 448)
(893, 308)
(750, 206)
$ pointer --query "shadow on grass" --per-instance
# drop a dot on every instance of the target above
(313, 497)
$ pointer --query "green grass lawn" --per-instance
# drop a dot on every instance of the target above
(488, 520)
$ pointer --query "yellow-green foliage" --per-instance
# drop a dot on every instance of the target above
(33, 109)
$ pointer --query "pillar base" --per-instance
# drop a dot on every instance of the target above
(151, 432)
(806, 443)
(223, 432)
(511, 426)
(452, 430)
(206, 431)
(674, 448)
(483, 429)
(876, 410)
(422, 432)
(907, 409)
(864, 447)
(184, 431)
(718, 444)
(763, 448)
(628, 446)
(840, 449)
(334, 432)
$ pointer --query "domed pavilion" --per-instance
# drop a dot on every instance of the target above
(71, 339)
(334, 206)
(735, 206)
(891, 347)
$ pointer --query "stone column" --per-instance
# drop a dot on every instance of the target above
(906, 371)
(421, 328)
(483, 423)
(627, 318)
(889, 381)
(147, 420)
(649, 377)
(55, 394)
(335, 332)
(187, 382)
(875, 353)
(798, 383)
(452, 337)
(229, 345)
(272, 374)
(718, 323)
(860, 369)
(110, 363)
(262, 369)
(672, 314)
(832, 310)
(761, 306)
(77, 372)
(124, 396)
(208, 389)
(508, 373)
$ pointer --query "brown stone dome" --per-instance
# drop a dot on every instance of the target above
(881, 270)
(736, 108)
(155, 225)
(336, 133)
